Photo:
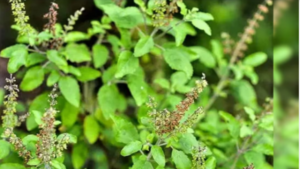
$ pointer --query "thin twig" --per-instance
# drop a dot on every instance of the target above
(169, 29)
(142, 152)
(100, 39)
(160, 47)
(154, 32)
(145, 21)
(150, 154)
(36, 51)
(46, 64)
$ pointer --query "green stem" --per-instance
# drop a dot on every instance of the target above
(170, 28)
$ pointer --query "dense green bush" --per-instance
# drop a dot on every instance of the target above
(122, 101)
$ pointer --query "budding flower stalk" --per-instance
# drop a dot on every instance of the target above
(56, 42)
(198, 158)
(21, 19)
(10, 120)
(167, 122)
(72, 20)
(246, 37)
(163, 12)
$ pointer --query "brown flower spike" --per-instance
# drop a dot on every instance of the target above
(246, 37)
(56, 42)
(169, 122)
(52, 18)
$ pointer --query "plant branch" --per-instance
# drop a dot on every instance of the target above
(37, 51)
(169, 29)
(100, 39)
(157, 143)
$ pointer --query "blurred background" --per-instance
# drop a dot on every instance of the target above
(230, 16)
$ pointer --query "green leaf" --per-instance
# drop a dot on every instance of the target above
(250, 113)
(37, 116)
(181, 31)
(74, 71)
(127, 64)
(255, 59)
(158, 155)
(219, 154)
(138, 88)
(34, 58)
(187, 141)
(126, 38)
(30, 142)
(143, 135)
(144, 46)
(267, 149)
(4, 147)
(103, 3)
(34, 162)
(282, 54)
(232, 124)
(57, 164)
(91, 129)
(204, 16)
(76, 36)
(164, 83)
(88, 74)
(267, 122)
(107, 98)
(70, 90)
(131, 148)
(69, 115)
(142, 163)
(11, 166)
(54, 57)
(178, 79)
(244, 93)
(13, 50)
(205, 56)
(72, 138)
(109, 74)
(211, 163)
(245, 131)
(124, 131)
(255, 158)
(182, 6)
(100, 55)
(251, 74)
(217, 49)
(202, 25)
(181, 160)
(178, 60)
(53, 78)
(238, 72)
(33, 78)
(30, 139)
(17, 59)
(44, 36)
(80, 154)
(141, 4)
(124, 18)
(78, 53)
